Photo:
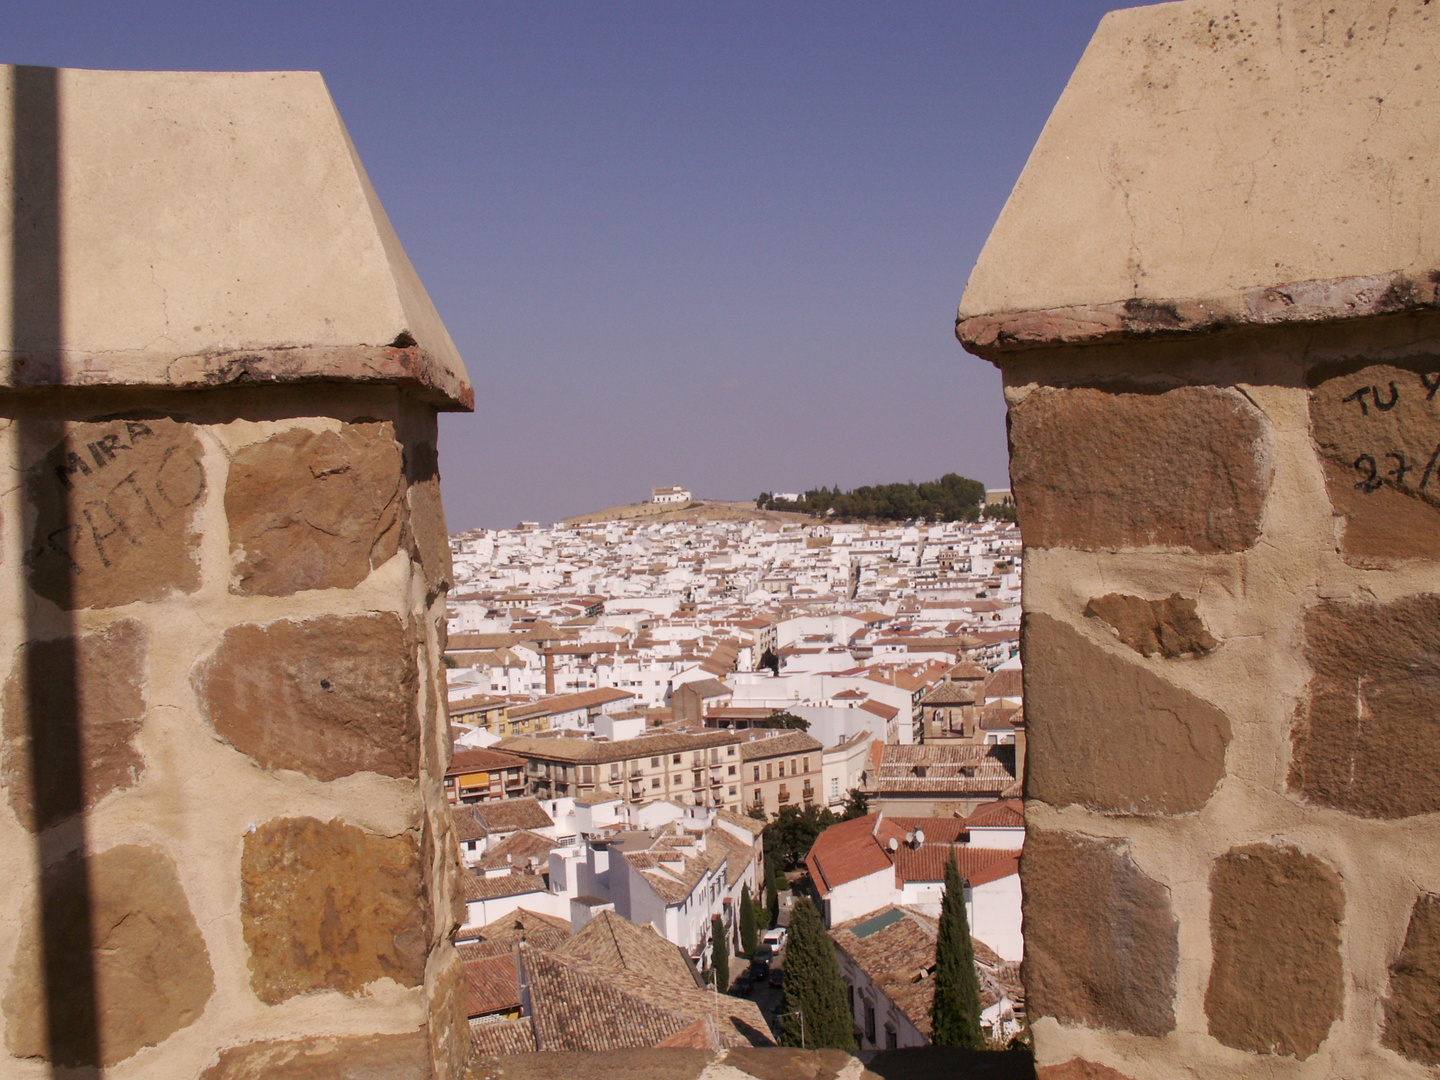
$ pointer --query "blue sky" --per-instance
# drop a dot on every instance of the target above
(714, 244)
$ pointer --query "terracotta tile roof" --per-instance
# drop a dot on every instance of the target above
(946, 768)
(611, 942)
(505, 934)
(791, 742)
(585, 699)
(492, 983)
(845, 852)
(466, 826)
(976, 865)
(1005, 682)
(1005, 814)
(949, 693)
(586, 751)
(501, 1037)
(482, 760)
(517, 850)
(580, 1006)
(509, 815)
(491, 888)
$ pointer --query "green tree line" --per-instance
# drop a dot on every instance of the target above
(951, 498)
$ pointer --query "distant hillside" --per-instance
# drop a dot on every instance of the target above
(695, 510)
(951, 498)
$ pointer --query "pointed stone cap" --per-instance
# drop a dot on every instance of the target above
(1212, 165)
(212, 228)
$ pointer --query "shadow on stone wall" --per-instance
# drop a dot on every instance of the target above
(66, 1035)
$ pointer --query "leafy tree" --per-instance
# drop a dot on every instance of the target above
(769, 660)
(951, 498)
(719, 953)
(792, 832)
(748, 931)
(999, 512)
(813, 986)
(780, 719)
(757, 812)
(955, 1012)
(857, 804)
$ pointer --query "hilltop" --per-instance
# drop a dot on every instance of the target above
(693, 511)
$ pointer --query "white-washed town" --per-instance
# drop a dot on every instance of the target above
(669, 727)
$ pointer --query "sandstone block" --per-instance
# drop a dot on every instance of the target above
(314, 509)
(372, 1057)
(1169, 627)
(1107, 734)
(1412, 1011)
(448, 992)
(328, 906)
(427, 518)
(1377, 434)
(87, 690)
(328, 696)
(126, 913)
(1275, 976)
(1101, 942)
(1367, 730)
(1187, 469)
(115, 514)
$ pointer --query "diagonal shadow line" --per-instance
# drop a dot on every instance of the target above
(52, 695)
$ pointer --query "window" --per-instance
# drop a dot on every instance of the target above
(654, 781)
(730, 752)
(870, 1022)
(732, 771)
(654, 763)
(834, 787)
(806, 763)
(732, 789)
(782, 770)
(675, 760)
(890, 1041)
(586, 776)
(757, 773)
(770, 771)
(759, 797)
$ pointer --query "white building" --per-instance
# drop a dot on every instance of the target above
(673, 494)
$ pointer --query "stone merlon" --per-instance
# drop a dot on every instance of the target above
(235, 195)
(1283, 142)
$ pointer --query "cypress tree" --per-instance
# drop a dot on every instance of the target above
(955, 1012)
(772, 891)
(813, 986)
(719, 953)
(748, 930)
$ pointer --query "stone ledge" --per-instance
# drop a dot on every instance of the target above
(1329, 300)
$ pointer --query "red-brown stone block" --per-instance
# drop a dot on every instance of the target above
(1101, 942)
(1170, 627)
(115, 514)
(1412, 1011)
(314, 509)
(1187, 469)
(151, 969)
(1377, 433)
(1275, 975)
(1367, 729)
(328, 906)
(1107, 734)
(328, 696)
(90, 689)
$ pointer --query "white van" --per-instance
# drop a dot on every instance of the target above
(774, 938)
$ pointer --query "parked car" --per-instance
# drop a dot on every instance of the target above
(743, 984)
(775, 938)
(758, 969)
(777, 977)
(764, 951)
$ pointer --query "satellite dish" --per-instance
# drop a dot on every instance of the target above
(894, 844)
(919, 836)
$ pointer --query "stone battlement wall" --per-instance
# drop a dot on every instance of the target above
(224, 850)
(1232, 610)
